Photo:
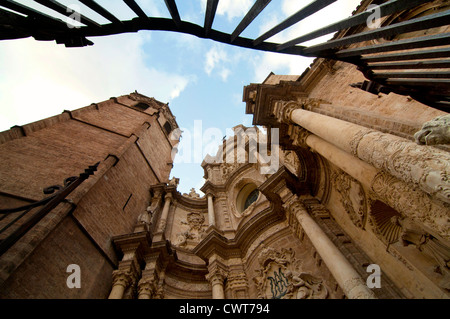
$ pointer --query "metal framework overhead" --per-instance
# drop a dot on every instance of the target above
(416, 66)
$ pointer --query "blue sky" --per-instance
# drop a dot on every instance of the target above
(201, 79)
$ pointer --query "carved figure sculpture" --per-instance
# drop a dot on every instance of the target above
(145, 218)
(434, 132)
(414, 234)
(305, 286)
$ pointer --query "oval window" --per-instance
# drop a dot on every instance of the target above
(247, 196)
(251, 198)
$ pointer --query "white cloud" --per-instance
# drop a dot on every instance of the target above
(279, 64)
(216, 59)
(41, 79)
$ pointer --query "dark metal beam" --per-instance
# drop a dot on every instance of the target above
(297, 17)
(100, 10)
(413, 43)
(136, 9)
(422, 23)
(433, 64)
(434, 83)
(211, 8)
(39, 16)
(409, 55)
(62, 9)
(412, 75)
(172, 7)
(256, 9)
(387, 8)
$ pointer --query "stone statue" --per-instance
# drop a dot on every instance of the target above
(145, 218)
(414, 234)
(193, 193)
(174, 181)
(434, 132)
(305, 286)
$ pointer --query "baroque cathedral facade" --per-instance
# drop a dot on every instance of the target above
(344, 195)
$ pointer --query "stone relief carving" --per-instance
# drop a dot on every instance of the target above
(434, 132)
(227, 169)
(196, 229)
(414, 234)
(280, 277)
(411, 203)
(291, 161)
(352, 196)
(428, 168)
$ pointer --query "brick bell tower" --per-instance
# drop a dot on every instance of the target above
(49, 239)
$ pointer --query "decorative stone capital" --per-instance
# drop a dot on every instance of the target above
(298, 135)
(283, 110)
(146, 287)
(294, 205)
(216, 276)
(123, 278)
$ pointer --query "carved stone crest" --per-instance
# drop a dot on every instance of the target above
(194, 232)
(280, 277)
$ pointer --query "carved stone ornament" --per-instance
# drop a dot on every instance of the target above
(192, 194)
(227, 169)
(434, 132)
(196, 229)
(280, 277)
(413, 234)
(412, 203)
(123, 278)
(352, 197)
(426, 167)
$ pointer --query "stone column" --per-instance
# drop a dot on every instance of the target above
(122, 279)
(165, 212)
(426, 167)
(211, 216)
(403, 197)
(347, 277)
(216, 281)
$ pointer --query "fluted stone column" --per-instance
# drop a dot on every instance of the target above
(424, 166)
(346, 276)
(211, 215)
